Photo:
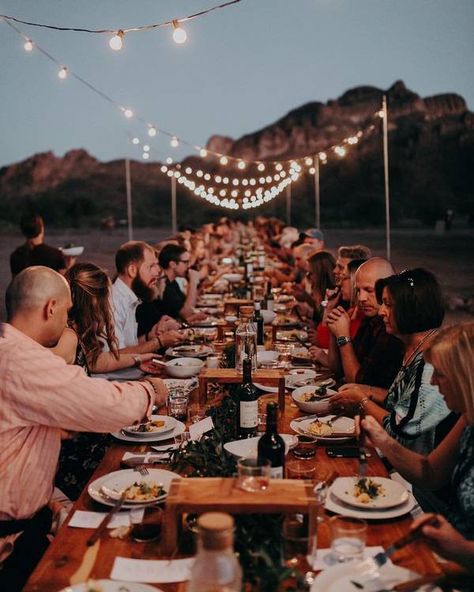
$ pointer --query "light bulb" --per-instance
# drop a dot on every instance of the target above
(308, 161)
(203, 153)
(279, 167)
(340, 151)
(62, 73)
(207, 177)
(188, 170)
(223, 160)
(169, 160)
(146, 148)
(174, 142)
(241, 164)
(145, 156)
(179, 34)
(261, 167)
(28, 45)
(116, 42)
(135, 141)
(128, 113)
(152, 131)
(312, 170)
(322, 156)
(164, 169)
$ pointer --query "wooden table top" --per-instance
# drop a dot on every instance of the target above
(66, 552)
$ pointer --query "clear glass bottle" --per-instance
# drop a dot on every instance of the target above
(216, 568)
(245, 339)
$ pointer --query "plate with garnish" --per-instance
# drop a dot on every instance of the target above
(325, 428)
(158, 424)
(378, 493)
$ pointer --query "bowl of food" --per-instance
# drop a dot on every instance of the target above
(184, 367)
(267, 357)
(313, 399)
(268, 316)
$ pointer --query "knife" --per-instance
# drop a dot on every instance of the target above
(359, 433)
(105, 522)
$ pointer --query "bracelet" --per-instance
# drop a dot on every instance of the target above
(136, 361)
(362, 403)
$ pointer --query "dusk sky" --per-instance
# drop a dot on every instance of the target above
(242, 67)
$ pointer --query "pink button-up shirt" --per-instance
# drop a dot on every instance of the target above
(40, 395)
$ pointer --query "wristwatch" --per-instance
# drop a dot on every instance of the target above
(343, 340)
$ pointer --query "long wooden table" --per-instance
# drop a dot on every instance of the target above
(66, 552)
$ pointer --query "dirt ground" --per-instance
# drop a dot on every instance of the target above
(449, 256)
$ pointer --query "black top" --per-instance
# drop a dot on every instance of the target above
(147, 315)
(173, 299)
(42, 254)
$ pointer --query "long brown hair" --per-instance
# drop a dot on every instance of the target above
(91, 312)
(321, 265)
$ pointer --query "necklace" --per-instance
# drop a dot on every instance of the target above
(407, 361)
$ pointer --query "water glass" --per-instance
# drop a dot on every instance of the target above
(300, 469)
(295, 540)
(182, 439)
(252, 475)
(213, 362)
(348, 537)
(196, 413)
(178, 407)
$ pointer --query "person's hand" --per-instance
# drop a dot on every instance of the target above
(376, 433)
(171, 338)
(161, 390)
(339, 322)
(193, 277)
(166, 323)
(196, 316)
(332, 299)
(347, 399)
(146, 357)
(446, 540)
(318, 355)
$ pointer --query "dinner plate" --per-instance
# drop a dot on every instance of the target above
(189, 351)
(339, 578)
(168, 426)
(118, 481)
(340, 425)
(393, 493)
(186, 383)
(150, 367)
(248, 447)
(290, 381)
(111, 586)
(179, 429)
(207, 322)
(157, 475)
(333, 504)
(294, 335)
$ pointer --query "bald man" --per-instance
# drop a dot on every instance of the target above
(40, 396)
(373, 358)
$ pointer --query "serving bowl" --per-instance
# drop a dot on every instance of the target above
(184, 367)
(320, 406)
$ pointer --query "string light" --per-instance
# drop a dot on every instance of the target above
(116, 42)
(146, 148)
(261, 167)
(224, 160)
(146, 155)
(127, 112)
(179, 34)
(62, 72)
(241, 164)
(202, 152)
(340, 151)
(174, 142)
(28, 46)
(152, 131)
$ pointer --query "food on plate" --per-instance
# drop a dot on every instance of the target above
(319, 428)
(93, 587)
(151, 426)
(304, 355)
(144, 492)
(366, 490)
(310, 396)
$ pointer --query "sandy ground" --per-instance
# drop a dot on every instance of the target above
(449, 256)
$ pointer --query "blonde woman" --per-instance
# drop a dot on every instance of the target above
(451, 463)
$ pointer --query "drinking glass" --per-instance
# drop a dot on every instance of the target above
(196, 413)
(178, 407)
(300, 469)
(306, 447)
(252, 475)
(295, 541)
(348, 537)
(284, 353)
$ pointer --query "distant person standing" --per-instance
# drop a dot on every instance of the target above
(35, 251)
(448, 219)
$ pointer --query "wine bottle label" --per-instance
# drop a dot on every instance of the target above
(248, 414)
(276, 473)
(270, 305)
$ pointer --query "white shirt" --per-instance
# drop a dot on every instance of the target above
(124, 304)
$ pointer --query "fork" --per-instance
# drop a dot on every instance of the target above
(142, 470)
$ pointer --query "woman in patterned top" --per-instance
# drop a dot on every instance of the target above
(451, 463)
(413, 412)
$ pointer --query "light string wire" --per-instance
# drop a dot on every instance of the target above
(123, 29)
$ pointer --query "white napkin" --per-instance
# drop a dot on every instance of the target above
(196, 430)
(151, 571)
(82, 519)
(324, 558)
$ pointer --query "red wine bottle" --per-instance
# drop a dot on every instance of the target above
(247, 395)
(271, 445)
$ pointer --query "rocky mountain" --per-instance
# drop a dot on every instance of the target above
(431, 142)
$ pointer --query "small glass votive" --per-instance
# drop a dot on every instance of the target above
(306, 447)
(213, 362)
(253, 476)
(178, 407)
(299, 469)
(348, 537)
(196, 413)
(182, 439)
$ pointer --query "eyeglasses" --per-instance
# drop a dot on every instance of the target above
(185, 261)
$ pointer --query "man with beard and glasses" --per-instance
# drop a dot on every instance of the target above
(137, 274)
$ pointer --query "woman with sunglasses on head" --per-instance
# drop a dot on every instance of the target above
(412, 310)
(451, 463)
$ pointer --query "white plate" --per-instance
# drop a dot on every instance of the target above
(170, 424)
(232, 277)
(248, 447)
(112, 586)
(179, 429)
(338, 578)
(394, 494)
(289, 383)
(333, 504)
(208, 321)
(118, 481)
(295, 376)
(189, 351)
(72, 251)
(158, 475)
(340, 424)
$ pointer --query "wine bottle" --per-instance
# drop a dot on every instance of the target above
(269, 297)
(271, 445)
(247, 395)
(258, 320)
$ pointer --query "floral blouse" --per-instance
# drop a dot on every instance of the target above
(461, 502)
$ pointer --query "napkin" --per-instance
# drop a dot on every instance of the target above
(325, 559)
(196, 430)
(82, 519)
(151, 571)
